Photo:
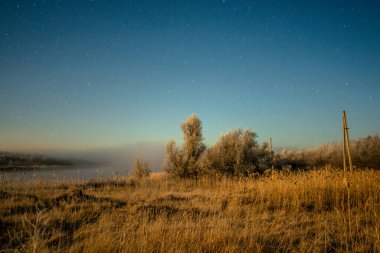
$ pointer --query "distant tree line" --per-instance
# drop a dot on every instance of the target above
(9, 160)
(237, 153)
(365, 153)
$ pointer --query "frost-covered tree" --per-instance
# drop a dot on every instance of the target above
(173, 160)
(185, 162)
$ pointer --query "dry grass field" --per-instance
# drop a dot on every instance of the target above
(277, 212)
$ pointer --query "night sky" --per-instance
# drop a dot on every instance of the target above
(78, 75)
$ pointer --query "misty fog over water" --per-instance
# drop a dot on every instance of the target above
(98, 163)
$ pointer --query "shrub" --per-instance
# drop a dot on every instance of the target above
(237, 153)
(140, 169)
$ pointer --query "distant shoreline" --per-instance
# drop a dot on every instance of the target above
(27, 162)
(32, 167)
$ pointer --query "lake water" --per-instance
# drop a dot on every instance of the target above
(64, 173)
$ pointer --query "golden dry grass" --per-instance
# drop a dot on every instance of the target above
(279, 212)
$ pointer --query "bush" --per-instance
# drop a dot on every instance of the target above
(140, 170)
(237, 153)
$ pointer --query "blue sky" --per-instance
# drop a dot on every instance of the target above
(77, 75)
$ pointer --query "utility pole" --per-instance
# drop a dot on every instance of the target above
(346, 144)
(346, 149)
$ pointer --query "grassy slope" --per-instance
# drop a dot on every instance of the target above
(304, 212)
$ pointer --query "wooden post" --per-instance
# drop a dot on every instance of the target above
(346, 144)
(346, 148)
